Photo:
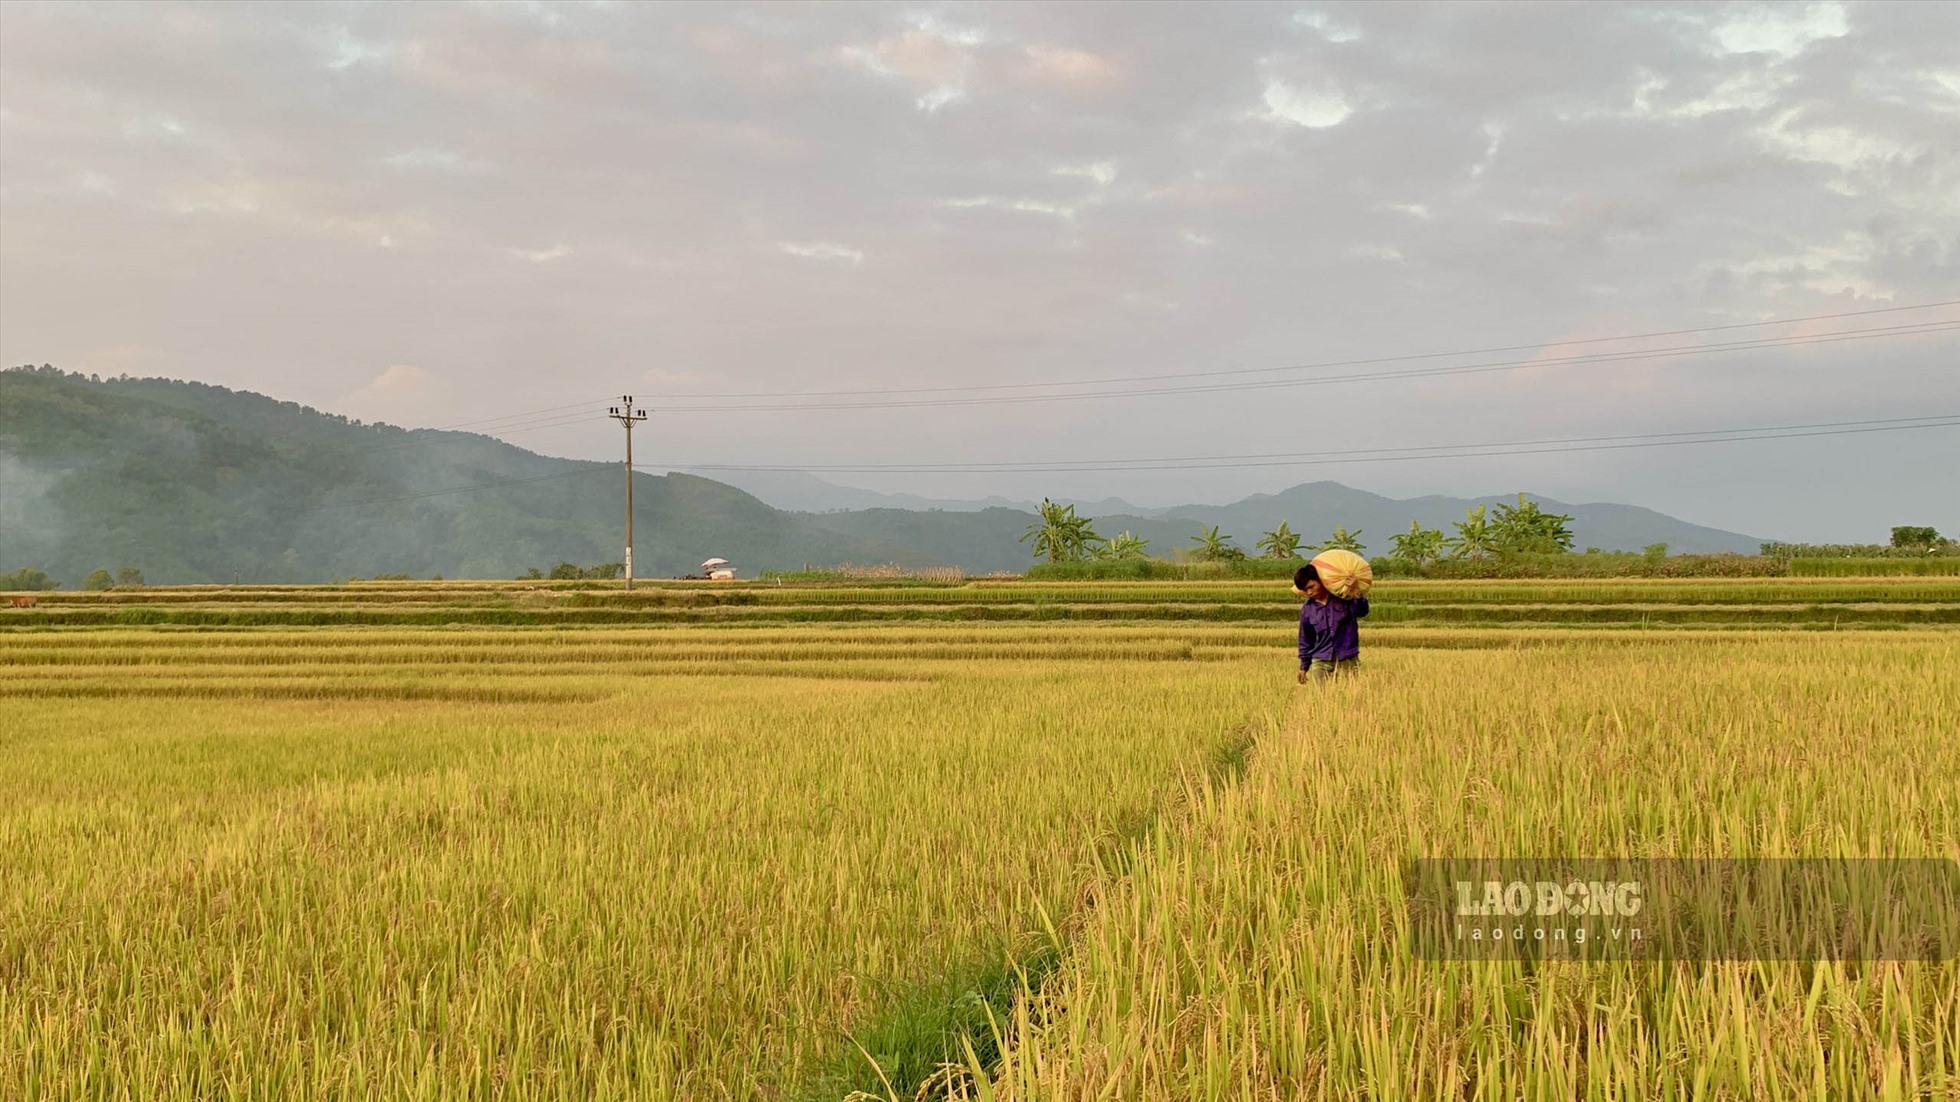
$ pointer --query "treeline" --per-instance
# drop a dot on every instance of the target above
(573, 572)
(1514, 541)
(33, 579)
(1061, 536)
(1908, 542)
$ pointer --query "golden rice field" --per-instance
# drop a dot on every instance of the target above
(1111, 851)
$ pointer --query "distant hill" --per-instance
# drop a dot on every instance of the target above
(1312, 508)
(196, 483)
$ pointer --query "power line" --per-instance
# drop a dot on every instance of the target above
(1050, 464)
(1916, 329)
(1371, 455)
(511, 416)
(1275, 459)
(553, 422)
(549, 417)
(1366, 362)
(554, 417)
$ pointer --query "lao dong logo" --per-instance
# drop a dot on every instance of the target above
(1545, 902)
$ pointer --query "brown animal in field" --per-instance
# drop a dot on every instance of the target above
(25, 601)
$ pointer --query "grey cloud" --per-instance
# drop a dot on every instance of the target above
(526, 201)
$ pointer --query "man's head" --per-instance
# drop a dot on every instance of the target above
(1306, 582)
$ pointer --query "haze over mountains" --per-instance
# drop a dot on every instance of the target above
(1312, 508)
(197, 483)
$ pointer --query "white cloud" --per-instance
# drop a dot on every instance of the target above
(939, 28)
(1751, 91)
(424, 157)
(1785, 30)
(866, 59)
(1842, 147)
(1494, 139)
(540, 256)
(1028, 206)
(1948, 82)
(1150, 303)
(939, 97)
(1193, 237)
(1102, 172)
(152, 128)
(822, 250)
(1828, 268)
(1314, 109)
(344, 51)
(932, 59)
(1326, 27)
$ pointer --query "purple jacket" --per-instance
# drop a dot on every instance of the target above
(1329, 631)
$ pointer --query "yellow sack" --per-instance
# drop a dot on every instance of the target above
(1344, 573)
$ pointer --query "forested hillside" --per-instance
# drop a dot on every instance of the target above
(193, 483)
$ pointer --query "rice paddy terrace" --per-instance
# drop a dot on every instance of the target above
(1803, 602)
(990, 839)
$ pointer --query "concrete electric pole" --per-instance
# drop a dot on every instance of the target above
(626, 415)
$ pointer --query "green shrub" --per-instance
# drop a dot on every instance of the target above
(1922, 564)
(1858, 551)
(1594, 564)
(1161, 570)
(27, 577)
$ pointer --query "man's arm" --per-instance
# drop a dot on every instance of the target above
(1306, 640)
(1360, 607)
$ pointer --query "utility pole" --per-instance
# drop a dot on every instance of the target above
(626, 415)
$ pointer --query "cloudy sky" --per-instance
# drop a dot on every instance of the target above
(434, 214)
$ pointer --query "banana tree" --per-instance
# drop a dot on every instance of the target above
(1418, 545)
(1214, 546)
(1474, 538)
(1343, 540)
(1527, 528)
(1124, 546)
(1281, 543)
(1059, 535)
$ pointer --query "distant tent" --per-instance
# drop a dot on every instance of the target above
(719, 570)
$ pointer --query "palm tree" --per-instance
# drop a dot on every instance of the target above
(1344, 540)
(1474, 538)
(1281, 543)
(1126, 545)
(1060, 535)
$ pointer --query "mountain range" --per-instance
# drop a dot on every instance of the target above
(196, 483)
(1313, 508)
